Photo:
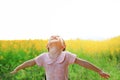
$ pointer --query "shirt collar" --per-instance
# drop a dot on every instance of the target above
(59, 59)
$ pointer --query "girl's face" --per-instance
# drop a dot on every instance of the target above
(56, 41)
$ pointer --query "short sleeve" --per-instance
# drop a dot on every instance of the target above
(71, 57)
(40, 59)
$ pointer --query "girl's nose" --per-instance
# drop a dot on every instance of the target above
(54, 37)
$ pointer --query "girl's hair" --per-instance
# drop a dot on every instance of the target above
(63, 43)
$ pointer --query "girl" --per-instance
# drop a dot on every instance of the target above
(57, 60)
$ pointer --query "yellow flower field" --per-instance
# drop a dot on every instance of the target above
(104, 53)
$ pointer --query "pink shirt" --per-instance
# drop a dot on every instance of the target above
(56, 69)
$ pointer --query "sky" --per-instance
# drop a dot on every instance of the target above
(70, 19)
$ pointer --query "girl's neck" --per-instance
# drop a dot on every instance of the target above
(54, 52)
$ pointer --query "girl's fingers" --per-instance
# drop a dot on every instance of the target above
(105, 75)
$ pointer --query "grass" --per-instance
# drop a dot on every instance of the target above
(104, 54)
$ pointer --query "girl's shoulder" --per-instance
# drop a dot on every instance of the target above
(68, 53)
(42, 54)
(70, 57)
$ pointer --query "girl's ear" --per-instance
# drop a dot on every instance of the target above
(47, 47)
(64, 47)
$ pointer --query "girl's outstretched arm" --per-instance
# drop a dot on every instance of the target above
(90, 66)
(24, 65)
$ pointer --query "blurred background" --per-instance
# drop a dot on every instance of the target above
(90, 30)
(71, 19)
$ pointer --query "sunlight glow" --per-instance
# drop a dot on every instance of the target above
(71, 19)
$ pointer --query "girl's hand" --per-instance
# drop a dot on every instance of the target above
(104, 75)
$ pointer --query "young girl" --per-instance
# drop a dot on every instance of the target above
(57, 60)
